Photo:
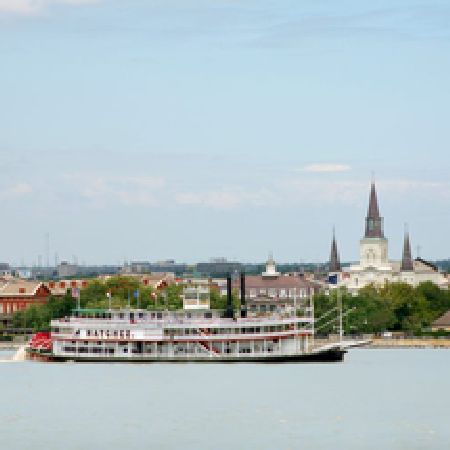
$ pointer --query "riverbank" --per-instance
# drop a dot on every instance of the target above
(413, 342)
(10, 345)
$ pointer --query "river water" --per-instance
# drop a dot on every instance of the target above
(376, 399)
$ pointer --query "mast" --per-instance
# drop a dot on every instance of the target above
(339, 306)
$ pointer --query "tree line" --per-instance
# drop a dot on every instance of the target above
(393, 307)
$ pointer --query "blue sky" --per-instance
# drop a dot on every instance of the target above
(191, 129)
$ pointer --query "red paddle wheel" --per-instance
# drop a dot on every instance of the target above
(41, 343)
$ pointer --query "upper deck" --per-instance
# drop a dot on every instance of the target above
(141, 323)
(144, 318)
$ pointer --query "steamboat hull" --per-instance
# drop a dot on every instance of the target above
(326, 356)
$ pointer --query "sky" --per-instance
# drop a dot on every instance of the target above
(182, 129)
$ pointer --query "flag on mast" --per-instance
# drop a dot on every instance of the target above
(76, 294)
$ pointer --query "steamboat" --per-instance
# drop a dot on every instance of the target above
(136, 335)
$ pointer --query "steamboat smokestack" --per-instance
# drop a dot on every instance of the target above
(243, 304)
(229, 309)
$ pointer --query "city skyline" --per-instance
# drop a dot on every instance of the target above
(186, 131)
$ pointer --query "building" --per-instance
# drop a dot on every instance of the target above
(374, 266)
(442, 323)
(144, 267)
(218, 267)
(60, 288)
(67, 270)
(273, 291)
(18, 294)
(5, 270)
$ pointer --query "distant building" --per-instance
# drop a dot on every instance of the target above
(218, 267)
(443, 323)
(157, 280)
(59, 288)
(374, 266)
(142, 267)
(5, 270)
(17, 294)
(67, 270)
(273, 291)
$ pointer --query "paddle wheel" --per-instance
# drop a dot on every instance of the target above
(40, 346)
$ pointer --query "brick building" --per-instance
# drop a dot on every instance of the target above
(19, 294)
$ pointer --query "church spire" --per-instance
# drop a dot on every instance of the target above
(335, 263)
(374, 222)
(407, 262)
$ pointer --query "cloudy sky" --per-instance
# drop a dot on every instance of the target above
(153, 129)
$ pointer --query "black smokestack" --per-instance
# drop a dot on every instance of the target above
(229, 309)
(243, 304)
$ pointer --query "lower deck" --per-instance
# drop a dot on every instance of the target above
(199, 348)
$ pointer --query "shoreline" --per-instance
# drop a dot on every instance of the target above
(10, 345)
(410, 343)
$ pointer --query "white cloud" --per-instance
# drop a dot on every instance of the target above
(17, 190)
(227, 198)
(34, 6)
(218, 200)
(326, 168)
(127, 190)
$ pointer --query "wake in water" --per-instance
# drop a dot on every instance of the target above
(20, 355)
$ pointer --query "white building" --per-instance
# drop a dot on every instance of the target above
(374, 265)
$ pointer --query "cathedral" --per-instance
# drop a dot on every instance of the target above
(374, 265)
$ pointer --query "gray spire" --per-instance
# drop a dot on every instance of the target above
(407, 261)
(335, 263)
(374, 222)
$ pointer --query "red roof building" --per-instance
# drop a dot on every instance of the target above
(19, 294)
